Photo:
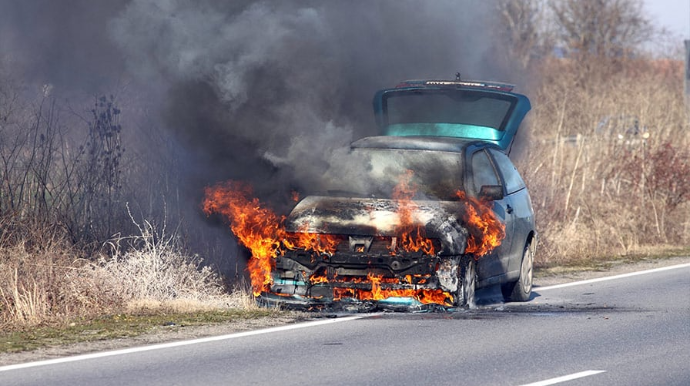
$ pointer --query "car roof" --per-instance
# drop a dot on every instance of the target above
(431, 143)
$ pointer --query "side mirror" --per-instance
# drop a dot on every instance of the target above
(491, 192)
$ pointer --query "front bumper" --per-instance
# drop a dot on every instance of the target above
(412, 281)
(395, 304)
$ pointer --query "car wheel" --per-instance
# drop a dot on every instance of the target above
(521, 290)
(468, 282)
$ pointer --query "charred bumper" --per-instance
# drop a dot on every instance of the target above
(412, 280)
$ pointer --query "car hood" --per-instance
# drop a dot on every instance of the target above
(452, 109)
(376, 217)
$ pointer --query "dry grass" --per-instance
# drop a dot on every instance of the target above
(48, 285)
(145, 273)
(597, 189)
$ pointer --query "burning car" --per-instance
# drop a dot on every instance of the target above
(428, 212)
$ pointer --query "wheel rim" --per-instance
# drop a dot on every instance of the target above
(526, 271)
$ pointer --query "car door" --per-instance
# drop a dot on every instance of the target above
(483, 172)
(520, 205)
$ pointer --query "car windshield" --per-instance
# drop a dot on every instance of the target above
(376, 172)
(474, 108)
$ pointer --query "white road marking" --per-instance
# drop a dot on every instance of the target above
(182, 343)
(566, 378)
(539, 289)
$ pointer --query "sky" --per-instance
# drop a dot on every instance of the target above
(674, 15)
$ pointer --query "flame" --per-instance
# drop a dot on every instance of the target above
(424, 296)
(321, 243)
(411, 235)
(315, 279)
(486, 231)
(256, 227)
(294, 196)
(263, 232)
(260, 230)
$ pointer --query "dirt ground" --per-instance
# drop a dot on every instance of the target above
(163, 334)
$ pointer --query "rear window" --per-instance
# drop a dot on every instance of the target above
(475, 108)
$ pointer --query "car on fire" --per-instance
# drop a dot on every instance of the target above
(435, 210)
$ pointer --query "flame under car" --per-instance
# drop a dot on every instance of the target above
(426, 222)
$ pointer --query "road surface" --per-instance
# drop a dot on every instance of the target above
(624, 331)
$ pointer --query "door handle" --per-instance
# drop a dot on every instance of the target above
(509, 209)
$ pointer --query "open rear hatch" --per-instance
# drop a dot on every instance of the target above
(462, 109)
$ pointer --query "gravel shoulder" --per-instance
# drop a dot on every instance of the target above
(161, 334)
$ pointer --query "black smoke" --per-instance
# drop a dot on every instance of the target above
(268, 92)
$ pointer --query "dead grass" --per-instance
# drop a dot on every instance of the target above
(51, 286)
(47, 284)
(128, 325)
(601, 188)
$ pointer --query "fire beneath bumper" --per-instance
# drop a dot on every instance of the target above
(358, 280)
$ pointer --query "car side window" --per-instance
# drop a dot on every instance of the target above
(510, 174)
(483, 172)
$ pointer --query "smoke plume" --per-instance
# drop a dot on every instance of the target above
(268, 92)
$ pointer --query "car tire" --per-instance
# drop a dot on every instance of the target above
(468, 283)
(521, 289)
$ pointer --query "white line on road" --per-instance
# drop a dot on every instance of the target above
(539, 289)
(566, 378)
(181, 343)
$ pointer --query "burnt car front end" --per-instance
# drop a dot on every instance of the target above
(359, 258)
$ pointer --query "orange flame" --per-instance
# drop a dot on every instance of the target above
(424, 296)
(486, 231)
(321, 243)
(263, 232)
(260, 229)
(403, 193)
(257, 228)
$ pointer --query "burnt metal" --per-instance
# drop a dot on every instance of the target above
(348, 305)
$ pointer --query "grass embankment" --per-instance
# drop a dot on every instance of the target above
(49, 297)
(126, 325)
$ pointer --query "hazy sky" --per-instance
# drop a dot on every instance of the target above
(673, 15)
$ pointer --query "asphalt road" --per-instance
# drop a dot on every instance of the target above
(626, 331)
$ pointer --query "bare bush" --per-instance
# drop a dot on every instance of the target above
(524, 31)
(152, 267)
(606, 28)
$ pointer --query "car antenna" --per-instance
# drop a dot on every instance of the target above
(457, 76)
